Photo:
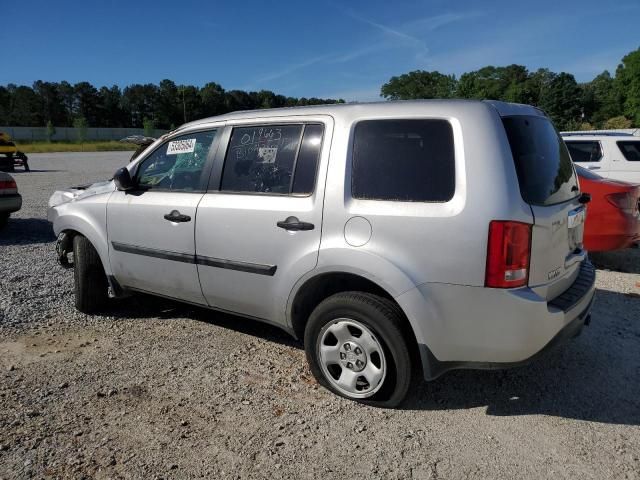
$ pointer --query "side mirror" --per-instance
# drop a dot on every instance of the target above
(123, 180)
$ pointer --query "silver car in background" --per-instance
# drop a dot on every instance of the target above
(391, 237)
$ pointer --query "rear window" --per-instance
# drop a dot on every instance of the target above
(403, 160)
(630, 150)
(545, 172)
(585, 151)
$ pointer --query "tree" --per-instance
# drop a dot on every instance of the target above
(495, 83)
(149, 127)
(111, 111)
(51, 131)
(81, 125)
(617, 123)
(52, 107)
(628, 82)
(419, 84)
(212, 97)
(168, 104)
(561, 101)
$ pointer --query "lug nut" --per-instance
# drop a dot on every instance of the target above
(349, 365)
(358, 351)
(359, 363)
(343, 355)
(347, 347)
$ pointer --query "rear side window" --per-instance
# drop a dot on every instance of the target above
(545, 172)
(630, 150)
(585, 151)
(403, 160)
(273, 159)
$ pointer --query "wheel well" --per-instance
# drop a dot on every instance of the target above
(323, 286)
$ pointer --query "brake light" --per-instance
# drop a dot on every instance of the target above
(508, 254)
(624, 201)
(8, 184)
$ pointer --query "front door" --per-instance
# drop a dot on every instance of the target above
(259, 230)
(151, 229)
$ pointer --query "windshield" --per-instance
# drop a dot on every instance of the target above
(545, 171)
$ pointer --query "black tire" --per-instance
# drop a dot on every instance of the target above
(4, 219)
(90, 281)
(386, 321)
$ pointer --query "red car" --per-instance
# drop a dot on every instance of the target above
(613, 215)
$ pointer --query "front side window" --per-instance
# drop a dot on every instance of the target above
(272, 159)
(403, 160)
(630, 150)
(585, 151)
(178, 164)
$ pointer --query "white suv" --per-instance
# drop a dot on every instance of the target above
(611, 155)
(392, 237)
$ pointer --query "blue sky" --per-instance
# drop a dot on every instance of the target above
(315, 48)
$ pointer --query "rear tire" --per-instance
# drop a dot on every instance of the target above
(4, 219)
(91, 288)
(369, 345)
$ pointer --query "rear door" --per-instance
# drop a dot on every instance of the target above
(548, 183)
(258, 227)
(626, 164)
(151, 229)
(588, 154)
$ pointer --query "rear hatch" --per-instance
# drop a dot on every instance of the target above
(548, 183)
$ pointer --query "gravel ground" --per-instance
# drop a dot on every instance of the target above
(162, 390)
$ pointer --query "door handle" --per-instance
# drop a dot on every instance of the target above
(176, 216)
(292, 223)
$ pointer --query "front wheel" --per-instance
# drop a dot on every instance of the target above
(357, 347)
(91, 289)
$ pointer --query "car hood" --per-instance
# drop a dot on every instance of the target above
(80, 192)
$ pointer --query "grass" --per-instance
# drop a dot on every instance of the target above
(44, 147)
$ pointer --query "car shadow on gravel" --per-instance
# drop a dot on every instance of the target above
(627, 260)
(592, 377)
(142, 306)
(26, 231)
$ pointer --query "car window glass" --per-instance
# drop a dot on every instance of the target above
(261, 159)
(307, 162)
(545, 172)
(403, 160)
(178, 164)
(630, 150)
(585, 151)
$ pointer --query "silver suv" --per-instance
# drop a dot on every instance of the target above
(392, 237)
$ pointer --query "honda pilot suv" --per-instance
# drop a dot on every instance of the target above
(393, 238)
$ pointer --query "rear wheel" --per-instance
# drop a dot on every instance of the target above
(4, 219)
(91, 290)
(356, 347)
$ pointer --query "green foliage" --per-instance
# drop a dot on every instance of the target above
(166, 103)
(569, 104)
(419, 84)
(149, 127)
(617, 122)
(81, 124)
(51, 131)
(628, 83)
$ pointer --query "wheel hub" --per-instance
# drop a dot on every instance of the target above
(352, 356)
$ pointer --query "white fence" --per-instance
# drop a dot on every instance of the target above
(72, 134)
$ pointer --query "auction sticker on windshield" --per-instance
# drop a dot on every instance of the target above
(186, 145)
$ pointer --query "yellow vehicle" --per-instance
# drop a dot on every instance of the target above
(12, 156)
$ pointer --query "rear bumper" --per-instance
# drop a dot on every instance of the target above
(484, 328)
(10, 203)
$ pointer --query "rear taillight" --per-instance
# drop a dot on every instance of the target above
(508, 254)
(624, 201)
(8, 185)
